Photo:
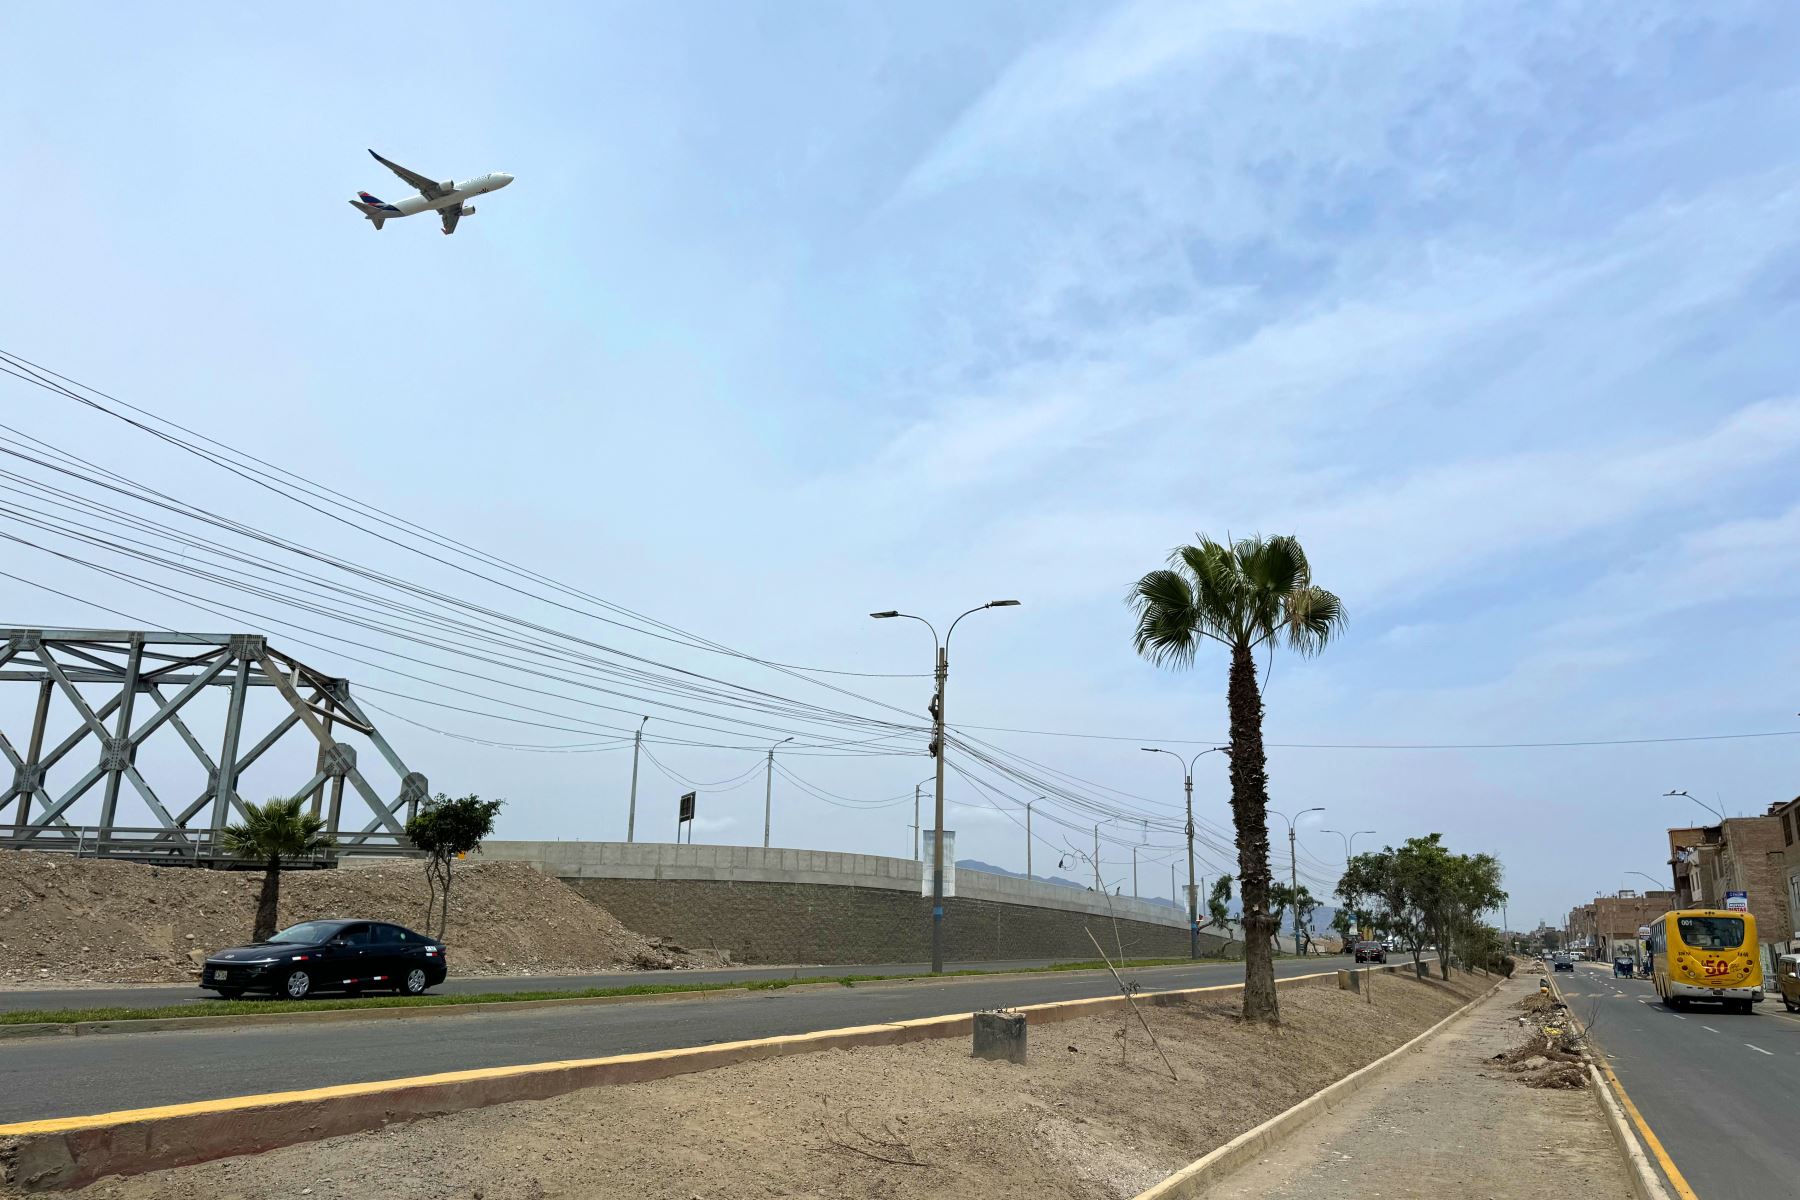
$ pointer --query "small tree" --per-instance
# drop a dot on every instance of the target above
(445, 829)
(273, 833)
(1218, 905)
(1344, 925)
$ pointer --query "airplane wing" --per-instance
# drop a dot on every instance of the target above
(431, 189)
(451, 216)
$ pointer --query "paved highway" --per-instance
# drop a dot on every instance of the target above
(1720, 1091)
(57, 1076)
(158, 995)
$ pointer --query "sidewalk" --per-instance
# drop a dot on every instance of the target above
(1445, 1124)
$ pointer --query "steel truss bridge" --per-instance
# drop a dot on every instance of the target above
(152, 678)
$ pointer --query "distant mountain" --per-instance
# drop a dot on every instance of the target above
(1321, 919)
(975, 864)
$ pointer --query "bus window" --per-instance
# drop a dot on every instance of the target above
(1711, 933)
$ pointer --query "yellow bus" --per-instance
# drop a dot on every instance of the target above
(1706, 954)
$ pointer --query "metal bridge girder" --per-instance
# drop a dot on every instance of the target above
(59, 661)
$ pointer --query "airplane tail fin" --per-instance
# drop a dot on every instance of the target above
(372, 208)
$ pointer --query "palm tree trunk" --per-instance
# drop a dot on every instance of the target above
(268, 902)
(1249, 813)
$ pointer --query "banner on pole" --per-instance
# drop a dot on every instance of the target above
(949, 862)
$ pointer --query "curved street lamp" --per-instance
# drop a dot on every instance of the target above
(1187, 783)
(1294, 868)
(942, 673)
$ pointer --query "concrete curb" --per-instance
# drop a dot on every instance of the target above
(277, 1017)
(1645, 1184)
(73, 1151)
(1199, 1176)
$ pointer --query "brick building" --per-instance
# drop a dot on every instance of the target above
(1610, 924)
(1741, 854)
(1788, 815)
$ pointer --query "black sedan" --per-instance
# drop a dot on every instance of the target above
(317, 956)
(1373, 952)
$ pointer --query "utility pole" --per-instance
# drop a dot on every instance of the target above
(1349, 840)
(768, 792)
(1187, 784)
(1294, 883)
(1294, 870)
(1134, 890)
(637, 743)
(938, 748)
(1028, 805)
(1099, 883)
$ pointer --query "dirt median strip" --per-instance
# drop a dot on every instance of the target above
(72, 1151)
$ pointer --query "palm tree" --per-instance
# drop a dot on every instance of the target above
(1252, 593)
(271, 834)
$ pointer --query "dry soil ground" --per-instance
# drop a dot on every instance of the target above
(65, 919)
(901, 1123)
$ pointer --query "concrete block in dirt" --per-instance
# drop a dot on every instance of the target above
(1424, 970)
(1349, 981)
(1000, 1035)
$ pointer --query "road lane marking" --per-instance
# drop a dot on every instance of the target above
(1760, 1050)
(1709, 1029)
(1678, 1016)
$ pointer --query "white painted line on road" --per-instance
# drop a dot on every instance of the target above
(1678, 1016)
(1709, 1029)
(1760, 1050)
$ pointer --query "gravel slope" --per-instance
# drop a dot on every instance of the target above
(64, 919)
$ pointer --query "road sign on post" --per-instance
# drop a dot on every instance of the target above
(1737, 901)
(686, 817)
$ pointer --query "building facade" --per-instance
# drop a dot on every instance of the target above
(1748, 855)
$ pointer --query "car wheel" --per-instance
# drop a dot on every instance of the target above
(413, 983)
(1791, 1006)
(298, 984)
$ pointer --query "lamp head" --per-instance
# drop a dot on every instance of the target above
(889, 613)
(1002, 603)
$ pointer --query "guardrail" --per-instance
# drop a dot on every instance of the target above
(186, 847)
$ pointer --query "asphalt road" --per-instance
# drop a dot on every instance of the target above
(1720, 1091)
(158, 995)
(57, 1077)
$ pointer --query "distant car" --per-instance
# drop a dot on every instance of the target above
(1625, 965)
(1373, 952)
(337, 956)
(1562, 961)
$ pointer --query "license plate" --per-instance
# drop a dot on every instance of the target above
(221, 974)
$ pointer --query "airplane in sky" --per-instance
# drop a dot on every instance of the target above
(446, 197)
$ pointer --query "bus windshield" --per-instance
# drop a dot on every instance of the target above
(1711, 933)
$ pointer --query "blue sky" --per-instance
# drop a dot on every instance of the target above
(796, 313)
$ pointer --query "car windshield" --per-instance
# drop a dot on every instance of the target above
(307, 933)
(1711, 933)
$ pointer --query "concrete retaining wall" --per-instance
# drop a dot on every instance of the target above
(812, 906)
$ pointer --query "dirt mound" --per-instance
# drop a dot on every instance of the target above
(64, 919)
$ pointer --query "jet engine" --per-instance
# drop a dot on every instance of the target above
(468, 210)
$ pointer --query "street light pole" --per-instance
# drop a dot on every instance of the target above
(1028, 805)
(942, 675)
(1697, 800)
(1294, 871)
(637, 743)
(915, 824)
(768, 790)
(1187, 784)
(1349, 845)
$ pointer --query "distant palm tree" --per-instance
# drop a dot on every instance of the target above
(1252, 593)
(272, 834)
